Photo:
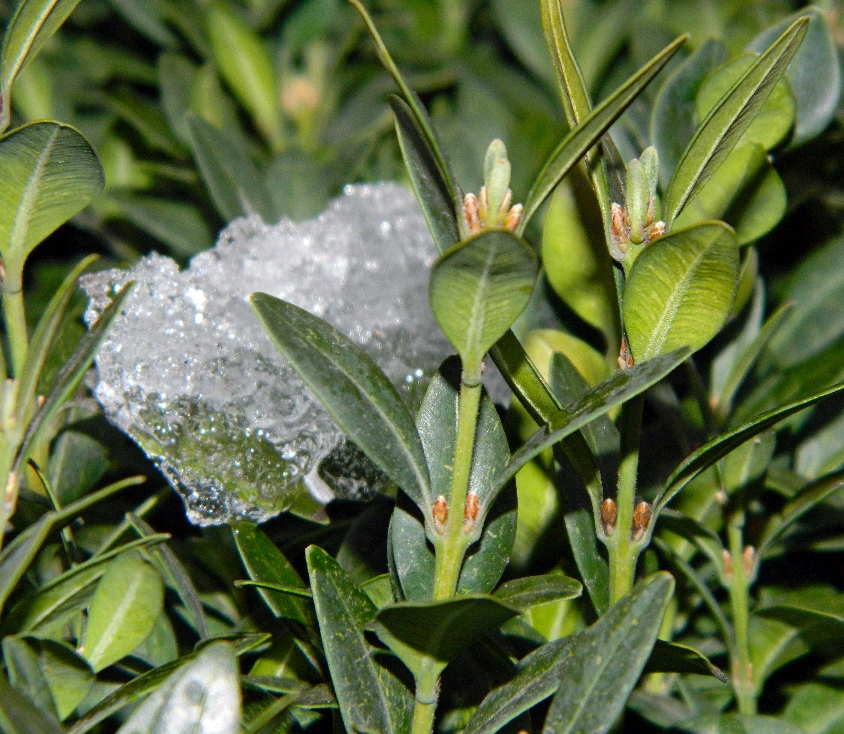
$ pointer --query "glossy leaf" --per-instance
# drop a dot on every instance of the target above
(370, 698)
(440, 630)
(203, 695)
(597, 402)
(433, 192)
(479, 288)
(680, 290)
(264, 562)
(673, 120)
(230, 176)
(531, 591)
(594, 670)
(728, 121)
(722, 445)
(669, 657)
(50, 173)
(593, 567)
(589, 130)
(352, 388)
(32, 25)
(128, 600)
(815, 73)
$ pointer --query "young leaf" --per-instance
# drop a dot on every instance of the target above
(32, 25)
(264, 562)
(352, 388)
(479, 288)
(593, 671)
(588, 131)
(50, 172)
(531, 591)
(128, 600)
(370, 697)
(722, 445)
(441, 630)
(203, 695)
(728, 120)
(680, 290)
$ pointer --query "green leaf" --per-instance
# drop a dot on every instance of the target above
(441, 630)
(597, 402)
(814, 73)
(728, 121)
(817, 707)
(26, 674)
(531, 591)
(128, 599)
(479, 288)
(231, 178)
(593, 567)
(371, 699)
(593, 671)
(68, 377)
(669, 657)
(673, 120)
(33, 24)
(200, 696)
(589, 130)
(50, 173)
(433, 192)
(738, 724)
(352, 388)
(722, 445)
(19, 715)
(680, 290)
(264, 562)
(772, 121)
(245, 63)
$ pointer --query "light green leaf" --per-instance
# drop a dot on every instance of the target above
(680, 290)
(50, 172)
(128, 600)
(817, 707)
(478, 289)
(728, 121)
(264, 562)
(593, 671)
(352, 388)
(441, 630)
(32, 25)
(722, 445)
(19, 715)
(738, 724)
(531, 591)
(203, 695)
(371, 699)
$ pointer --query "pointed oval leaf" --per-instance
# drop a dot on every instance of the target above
(371, 699)
(680, 290)
(128, 600)
(739, 724)
(203, 695)
(479, 288)
(19, 715)
(728, 120)
(351, 388)
(669, 657)
(532, 591)
(50, 173)
(441, 630)
(32, 25)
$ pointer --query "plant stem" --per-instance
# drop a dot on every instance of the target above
(623, 552)
(739, 603)
(15, 321)
(453, 30)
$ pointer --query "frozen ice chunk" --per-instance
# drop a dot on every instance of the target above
(188, 372)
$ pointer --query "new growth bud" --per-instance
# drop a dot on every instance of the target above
(439, 514)
(641, 520)
(609, 513)
(470, 512)
(492, 207)
(634, 222)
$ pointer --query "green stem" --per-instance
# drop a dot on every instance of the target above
(15, 320)
(453, 30)
(740, 605)
(623, 550)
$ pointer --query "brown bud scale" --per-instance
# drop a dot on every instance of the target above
(470, 512)
(609, 513)
(439, 514)
(641, 520)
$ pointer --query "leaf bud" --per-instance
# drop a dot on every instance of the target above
(471, 215)
(609, 513)
(728, 564)
(497, 178)
(439, 514)
(470, 512)
(636, 196)
(748, 560)
(641, 520)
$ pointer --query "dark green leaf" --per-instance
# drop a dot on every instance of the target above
(531, 591)
(593, 671)
(20, 654)
(371, 699)
(728, 120)
(593, 567)
(680, 290)
(231, 178)
(669, 657)
(722, 445)
(352, 388)
(19, 715)
(264, 562)
(441, 630)
(479, 288)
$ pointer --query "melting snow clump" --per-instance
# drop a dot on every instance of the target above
(188, 372)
